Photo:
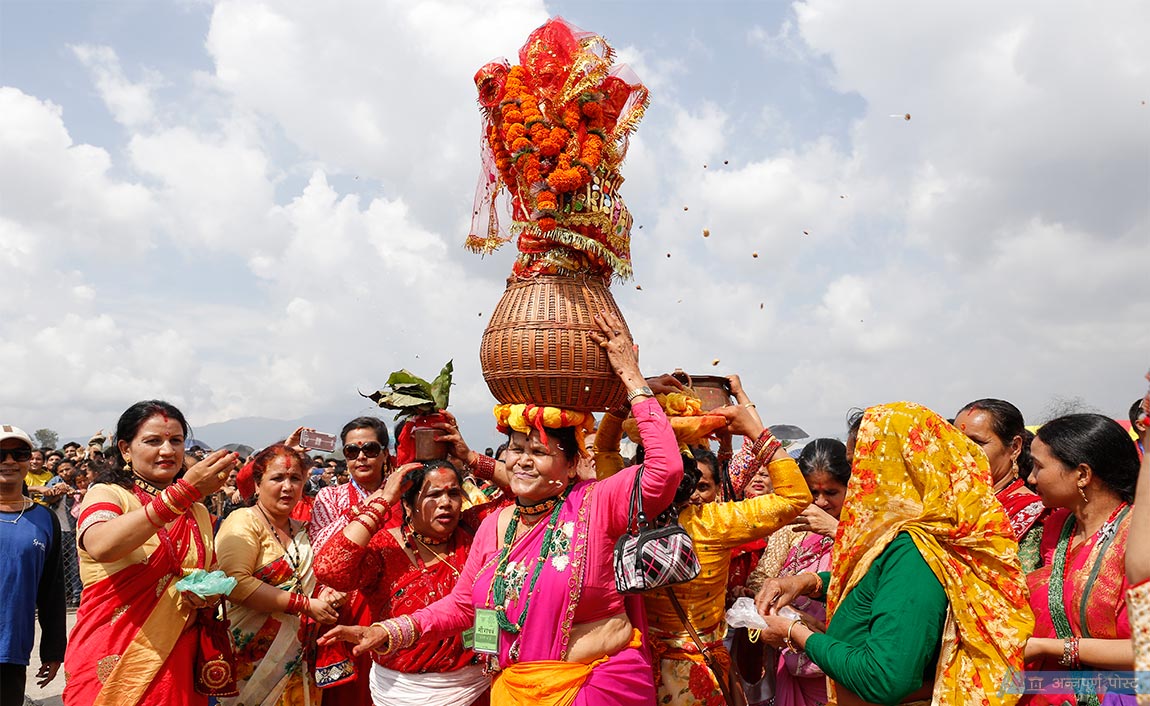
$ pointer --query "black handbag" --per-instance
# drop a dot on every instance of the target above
(648, 558)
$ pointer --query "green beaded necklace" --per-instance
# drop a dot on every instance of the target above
(499, 585)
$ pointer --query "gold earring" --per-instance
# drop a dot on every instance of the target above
(1014, 467)
(128, 465)
(1082, 492)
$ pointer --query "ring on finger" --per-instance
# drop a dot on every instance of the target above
(222, 475)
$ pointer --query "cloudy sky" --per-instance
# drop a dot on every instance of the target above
(258, 208)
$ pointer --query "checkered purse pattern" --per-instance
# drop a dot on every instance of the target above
(649, 558)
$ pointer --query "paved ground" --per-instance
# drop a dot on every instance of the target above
(49, 695)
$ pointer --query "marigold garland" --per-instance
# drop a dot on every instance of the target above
(556, 132)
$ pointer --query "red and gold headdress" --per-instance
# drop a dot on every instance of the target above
(525, 417)
(555, 133)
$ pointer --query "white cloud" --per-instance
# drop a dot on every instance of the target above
(130, 103)
(61, 191)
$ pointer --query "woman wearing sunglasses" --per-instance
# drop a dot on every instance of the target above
(364, 442)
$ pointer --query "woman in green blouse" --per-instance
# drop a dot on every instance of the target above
(925, 597)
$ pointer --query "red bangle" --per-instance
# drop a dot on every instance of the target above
(297, 604)
(484, 467)
(164, 513)
(152, 522)
(193, 492)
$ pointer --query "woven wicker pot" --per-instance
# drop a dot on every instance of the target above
(536, 348)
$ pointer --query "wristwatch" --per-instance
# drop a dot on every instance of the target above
(644, 391)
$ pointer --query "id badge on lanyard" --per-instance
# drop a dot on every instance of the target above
(485, 633)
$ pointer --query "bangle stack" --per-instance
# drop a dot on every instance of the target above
(172, 502)
(1070, 658)
(297, 604)
(372, 516)
(483, 467)
(401, 633)
(765, 447)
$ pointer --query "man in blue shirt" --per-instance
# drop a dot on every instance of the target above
(31, 576)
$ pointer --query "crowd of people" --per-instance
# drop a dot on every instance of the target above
(924, 560)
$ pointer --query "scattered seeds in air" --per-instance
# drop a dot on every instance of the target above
(760, 305)
(684, 208)
(725, 162)
(668, 254)
(715, 361)
(639, 287)
(806, 232)
(754, 254)
(706, 232)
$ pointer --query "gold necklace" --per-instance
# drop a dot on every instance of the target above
(149, 488)
(437, 555)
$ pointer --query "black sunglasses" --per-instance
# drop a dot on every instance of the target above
(371, 449)
(18, 455)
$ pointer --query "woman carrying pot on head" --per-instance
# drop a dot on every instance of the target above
(926, 602)
(403, 569)
(538, 585)
(1085, 469)
(136, 636)
(997, 427)
(276, 594)
(344, 679)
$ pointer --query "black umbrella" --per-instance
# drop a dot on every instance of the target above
(788, 432)
(242, 449)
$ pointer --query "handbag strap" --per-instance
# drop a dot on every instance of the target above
(708, 658)
(638, 519)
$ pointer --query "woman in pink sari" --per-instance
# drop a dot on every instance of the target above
(538, 585)
(136, 636)
(798, 680)
(1085, 468)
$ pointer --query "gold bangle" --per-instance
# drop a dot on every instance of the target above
(788, 640)
(818, 581)
(749, 405)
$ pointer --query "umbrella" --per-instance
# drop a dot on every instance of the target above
(788, 432)
(242, 449)
(190, 442)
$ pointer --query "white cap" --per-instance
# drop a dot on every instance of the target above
(8, 431)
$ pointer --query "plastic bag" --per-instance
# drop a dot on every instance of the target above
(743, 615)
(206, 583)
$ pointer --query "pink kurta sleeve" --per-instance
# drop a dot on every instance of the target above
(662, 472)
(455, 611)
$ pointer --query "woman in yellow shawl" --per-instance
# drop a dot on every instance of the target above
(926, 600)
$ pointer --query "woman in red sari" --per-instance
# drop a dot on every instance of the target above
(1085, 468)
(402, 569)
(136, 636)
(997, 427)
